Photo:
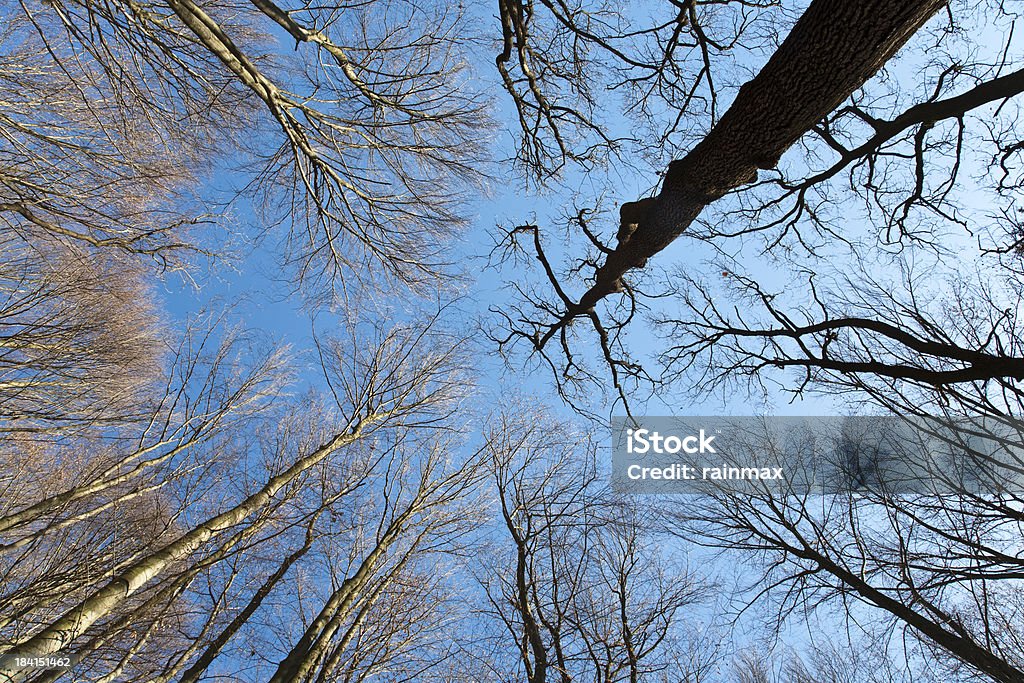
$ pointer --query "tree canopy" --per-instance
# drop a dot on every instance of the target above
(674, 205)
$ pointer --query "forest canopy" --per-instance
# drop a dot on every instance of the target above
(313, 317)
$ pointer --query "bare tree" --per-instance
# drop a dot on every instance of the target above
(94, 161)
(364, 139)
(87, 608)
(551, 52)
(878, 263)
(796, 96)
(936, 563)
(196, 508)
(378, 613)
(364, 130)
(574, 584)
(81, 343)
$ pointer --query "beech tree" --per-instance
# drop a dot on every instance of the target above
(800, 84)
(728, 192)
(111, 118)
(104, 497)
(98, 600)
(200, 520)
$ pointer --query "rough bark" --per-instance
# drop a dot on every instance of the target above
(833, 49)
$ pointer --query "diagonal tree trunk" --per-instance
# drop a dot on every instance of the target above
(834, 48)
(198, 669)
(101, 603)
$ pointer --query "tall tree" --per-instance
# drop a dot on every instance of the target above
(575, 585)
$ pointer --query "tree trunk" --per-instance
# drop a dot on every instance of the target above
(104, 601)
(833, 49)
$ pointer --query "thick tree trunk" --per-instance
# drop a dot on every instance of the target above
(77, 621)
(833, 49)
